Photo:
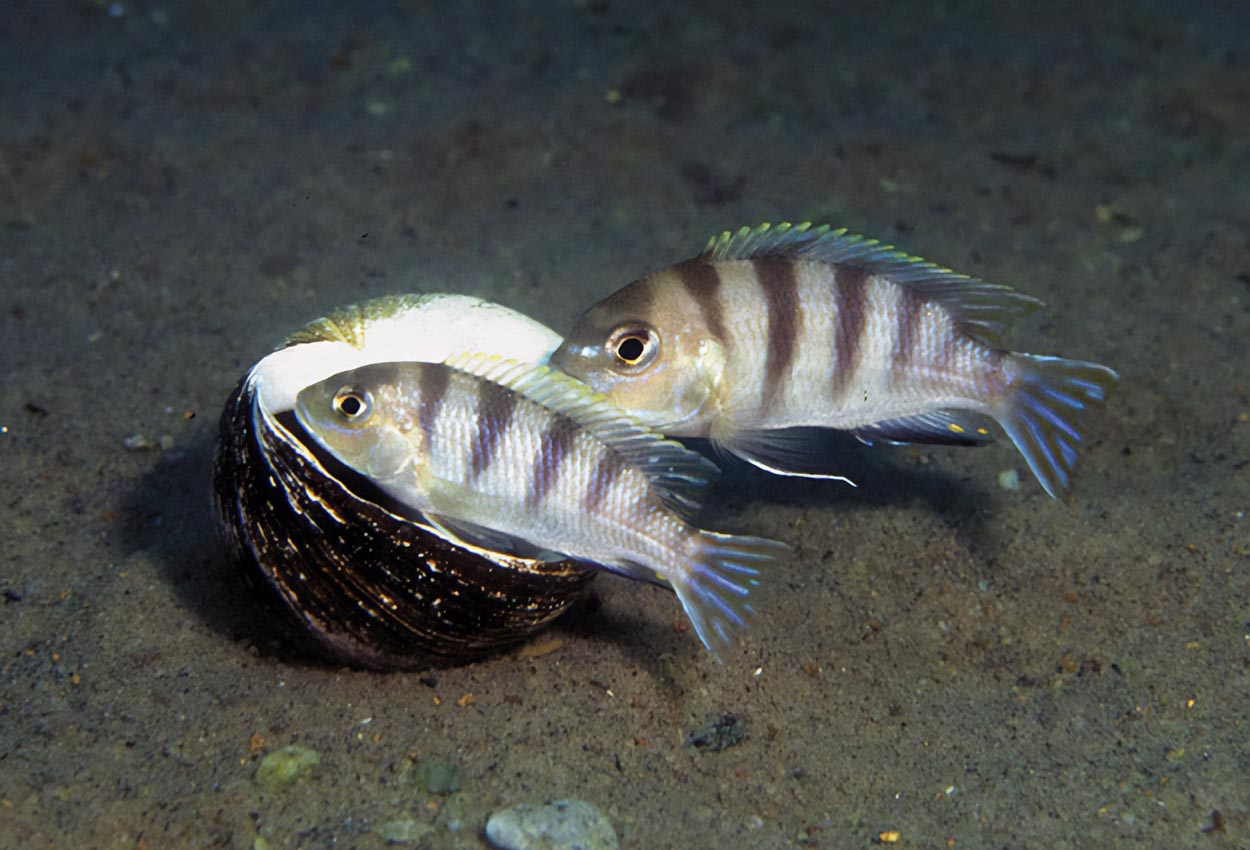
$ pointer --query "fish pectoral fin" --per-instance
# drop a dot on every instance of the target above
(793, 452)
(474, 536)
(937, 428)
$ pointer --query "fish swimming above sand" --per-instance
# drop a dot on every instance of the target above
(499, 452)
(776, 330)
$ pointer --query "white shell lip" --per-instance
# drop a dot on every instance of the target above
(430, 329)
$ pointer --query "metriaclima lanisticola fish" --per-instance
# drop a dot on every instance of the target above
(775, 330)
(499, 452)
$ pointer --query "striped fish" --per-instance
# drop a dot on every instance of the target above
(499, 452)
(775, 330)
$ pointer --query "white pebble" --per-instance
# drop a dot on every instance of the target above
(138, 443)
(562, 825)
(1009, 479)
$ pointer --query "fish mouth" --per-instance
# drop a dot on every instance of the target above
(570, 351)
(576, 361)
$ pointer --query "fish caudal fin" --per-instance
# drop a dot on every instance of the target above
(715, 591)
(1046, 396)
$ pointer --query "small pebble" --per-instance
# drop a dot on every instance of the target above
(719, 734)
(435, 776)
(1009, 479)
(283, 767)
(451, 816)
(379, 107)
(403, 831)
(562, 825)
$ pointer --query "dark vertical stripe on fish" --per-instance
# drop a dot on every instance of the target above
(495, 404)
(702, 280)
(908, 316)
(633, 301)
(557, 442)
(781, 291)
(432, 385)
(850, 283)
(607, 470)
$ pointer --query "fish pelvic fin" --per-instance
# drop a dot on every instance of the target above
(799, 452)
(1046, 399)
(715, 592)
(476, 536)
(982, 310)
(678, 474)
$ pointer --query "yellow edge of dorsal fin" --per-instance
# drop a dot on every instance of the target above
(983, 310)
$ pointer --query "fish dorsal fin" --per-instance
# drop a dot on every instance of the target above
(982, 310)
(677, 473)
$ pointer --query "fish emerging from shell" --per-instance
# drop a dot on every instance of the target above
(357, 582)
(775, 330)
(501, 452)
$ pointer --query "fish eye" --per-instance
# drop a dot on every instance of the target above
(633, 347)
(352, 404)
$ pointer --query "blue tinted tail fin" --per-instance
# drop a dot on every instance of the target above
(1048, 396)
(715, 592)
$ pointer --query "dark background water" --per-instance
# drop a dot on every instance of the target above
(183, 184)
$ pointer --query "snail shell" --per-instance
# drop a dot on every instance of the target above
(363, 584)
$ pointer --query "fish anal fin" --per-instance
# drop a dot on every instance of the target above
(635, 572)
(937, 427)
